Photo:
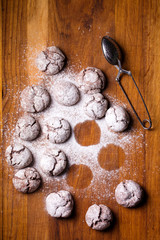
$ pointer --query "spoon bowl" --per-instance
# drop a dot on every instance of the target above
(111, 50)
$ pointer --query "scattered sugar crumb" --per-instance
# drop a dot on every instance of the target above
(76, 153)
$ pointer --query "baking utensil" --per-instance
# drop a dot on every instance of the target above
(113, 55)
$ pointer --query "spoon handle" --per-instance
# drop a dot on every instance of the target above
(143, 123)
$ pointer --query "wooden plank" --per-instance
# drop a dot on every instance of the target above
(37, 35)
(14, 74)
(129, 32)
(151, 74)
(1, 179)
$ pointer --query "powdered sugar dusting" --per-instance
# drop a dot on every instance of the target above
(76, 153)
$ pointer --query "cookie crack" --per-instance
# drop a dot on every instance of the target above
(43, 102)
(130, 194)
(44, 105)
(115, 114)
(34, 108)
(34, 93)
(46, 66)
(54, 62)
(27, 125)
(121, 120)
(19, 129)
(52, 128)
(15, 151)
(94, 223)
(51, 171)
(66, 200)
(101, 79)
(53, 52)
(28, 186)
(124, 185)
(63, 205)
(58, 153)
(23, 178)
(94, 115)
(99, 216)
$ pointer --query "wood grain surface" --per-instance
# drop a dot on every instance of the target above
(77, 26)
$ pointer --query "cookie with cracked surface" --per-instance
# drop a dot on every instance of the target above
(59, 204)
(53, 163)
(28, 128)
(58, 130)
(66, 93)
(91, 80)
(128, 193)
(18, 156)
(26, 180)
(117, 119)
(50, 61)
(96, 106)
(99, 217)
(34, 99)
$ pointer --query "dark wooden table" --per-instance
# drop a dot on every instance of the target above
(77, 27)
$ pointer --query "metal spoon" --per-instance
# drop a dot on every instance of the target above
(113, 55)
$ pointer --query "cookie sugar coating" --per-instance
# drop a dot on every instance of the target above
(117, 119)
(34, 99)
(59, 204)
(27, 180)
(53, 163)
(58, 130)
(66, 93)
(96, 106)
(91, 80)
(18, 156)
(28, 128)
(99, 217)
(50, 61)
(128, 193)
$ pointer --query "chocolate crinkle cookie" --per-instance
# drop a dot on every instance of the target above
(58, 130)
(53, 163)
(34, 99)
(128, 193)
(59, 204)
(117, 119)
(66, 93)
(27, 180)
(28, 128)
(96, 106)
(18, 156)
(99, 217)
(91, 80)
(50, 61)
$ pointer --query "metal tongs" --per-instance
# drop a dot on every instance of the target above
(113, 55)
